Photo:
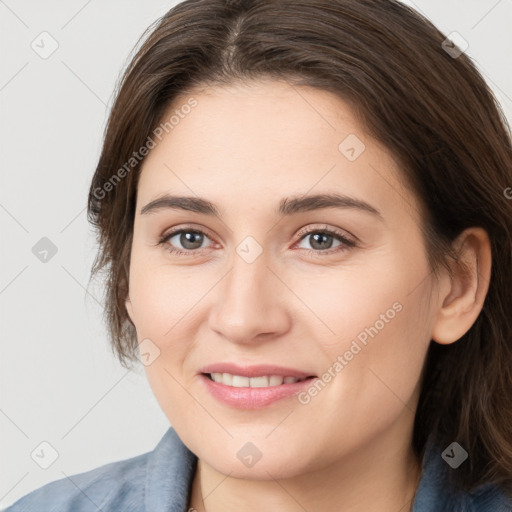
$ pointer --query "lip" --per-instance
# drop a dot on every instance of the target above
(258, 370)
(252, 398)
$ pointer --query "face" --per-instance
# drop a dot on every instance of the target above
(337, 292)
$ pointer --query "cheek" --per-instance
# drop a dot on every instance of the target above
(161, 296)
(377, 320)
(356, 302)
(373, 370)
(163, 300)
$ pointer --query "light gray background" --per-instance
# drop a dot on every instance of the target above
(60, 382)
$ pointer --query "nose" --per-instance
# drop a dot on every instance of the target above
(250, 303)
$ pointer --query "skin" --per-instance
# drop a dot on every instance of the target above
(244, 147)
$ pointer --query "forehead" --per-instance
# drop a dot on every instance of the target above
(266, 140)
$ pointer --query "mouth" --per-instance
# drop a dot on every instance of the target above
(262, 381)
(255, 392)
(255, 386)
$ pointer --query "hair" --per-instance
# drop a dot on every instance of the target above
(432, 110)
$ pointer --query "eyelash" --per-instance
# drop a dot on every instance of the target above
(346, 243)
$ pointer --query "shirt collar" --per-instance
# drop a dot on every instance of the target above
(432, 492)
(169, 475)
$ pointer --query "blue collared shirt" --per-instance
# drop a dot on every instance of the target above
(161, 480)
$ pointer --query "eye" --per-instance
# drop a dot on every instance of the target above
(190, 240)
(322, 241)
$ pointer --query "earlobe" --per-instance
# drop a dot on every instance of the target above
(462, 299)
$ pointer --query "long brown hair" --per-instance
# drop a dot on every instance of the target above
(429, 107)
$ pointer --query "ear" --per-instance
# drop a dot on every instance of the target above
(462, 295)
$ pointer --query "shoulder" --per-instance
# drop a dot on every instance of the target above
(155, 481)
(119, 484)
(435, 492)
(490, 498)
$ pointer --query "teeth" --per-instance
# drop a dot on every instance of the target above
(275, 380)
(239, 381)
(258, 382)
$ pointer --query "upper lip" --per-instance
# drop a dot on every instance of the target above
(258, 370)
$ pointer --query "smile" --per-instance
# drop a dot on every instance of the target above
(240, 381)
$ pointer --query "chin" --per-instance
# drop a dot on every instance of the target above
(256, 460)
(274, 469)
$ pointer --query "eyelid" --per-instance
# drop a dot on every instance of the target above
(325, 227)
(186, 227)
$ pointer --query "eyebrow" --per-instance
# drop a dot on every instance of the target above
(287, 206)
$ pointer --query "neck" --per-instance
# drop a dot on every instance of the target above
(380, 477)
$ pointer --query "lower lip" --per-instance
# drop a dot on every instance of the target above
(253, 398)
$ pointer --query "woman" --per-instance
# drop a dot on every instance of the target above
(304, 215)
